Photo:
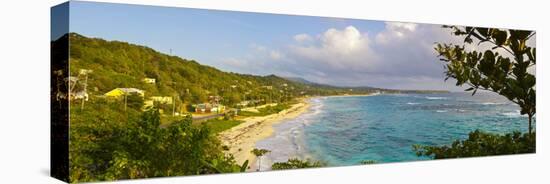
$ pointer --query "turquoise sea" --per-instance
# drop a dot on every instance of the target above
(346, 130)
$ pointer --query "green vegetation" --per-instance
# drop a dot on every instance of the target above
(268, 110)
(113, 138)
(259, 153)
(112, 147)
(219, 125)
(118, 64)
(482, 144)
(367, 162)
(491, 70)
(134, 101)
(506, 74)
(294, 163)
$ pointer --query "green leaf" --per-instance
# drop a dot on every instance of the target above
(244, 166)
(500, 37)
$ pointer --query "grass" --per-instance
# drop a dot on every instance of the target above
(219, 125)
(167, 120)
(266, 110)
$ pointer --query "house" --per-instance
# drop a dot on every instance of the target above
(149, 80)
(217, 108)
(79, 95)
(162, 99)
(120, 92)
(203, 108)
(156, 100)
(147, 104)
(214, 99)
(208, 108)
(243, 103)
(247, 103)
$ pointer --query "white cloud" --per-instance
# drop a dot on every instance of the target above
(275, 55)
(402, 52)
(258, 47)
(344, 41)
(302, 38)
(400, 56)
(401, 25)
(336, 49)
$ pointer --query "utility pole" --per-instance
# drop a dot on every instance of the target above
(85, 92)
(85, 72)
(174, 106)
(125, 100)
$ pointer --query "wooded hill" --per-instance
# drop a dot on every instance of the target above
(117, 64)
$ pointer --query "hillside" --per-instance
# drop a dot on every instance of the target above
(118, 64)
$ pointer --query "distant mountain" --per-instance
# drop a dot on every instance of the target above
(299, 80)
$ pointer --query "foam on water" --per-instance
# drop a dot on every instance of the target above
(347, 130)
(436, 98)
(288, 139)
(513, 114)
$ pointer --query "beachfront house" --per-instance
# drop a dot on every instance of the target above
(217, 108)
(247, 103)
(121, 92)
(162, 99)
(243, 103)
(202, 108)
(157, 99)
(209, 108)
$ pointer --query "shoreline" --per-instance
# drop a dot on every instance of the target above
(242, 138)
(353, 95)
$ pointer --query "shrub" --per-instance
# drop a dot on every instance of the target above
(481, 144)
(295, 163)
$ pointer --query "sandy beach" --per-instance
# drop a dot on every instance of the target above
(242, 138)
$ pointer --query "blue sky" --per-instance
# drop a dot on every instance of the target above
(334, 51)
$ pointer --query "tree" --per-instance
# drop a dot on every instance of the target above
(259, 153)
(367, 162)
(481, 144)
(134, 100)
(295, 163)
(131, 148)
(492, 69)
(233, 98)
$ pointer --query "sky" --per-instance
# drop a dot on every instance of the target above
(334, 51)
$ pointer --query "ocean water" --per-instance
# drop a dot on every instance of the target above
(346, 130)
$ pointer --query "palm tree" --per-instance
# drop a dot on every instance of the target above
(259, 153)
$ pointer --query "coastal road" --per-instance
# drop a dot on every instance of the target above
(204, 118)
(197, 119)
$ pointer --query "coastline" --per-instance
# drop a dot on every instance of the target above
(242, 138)
(353, 95)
